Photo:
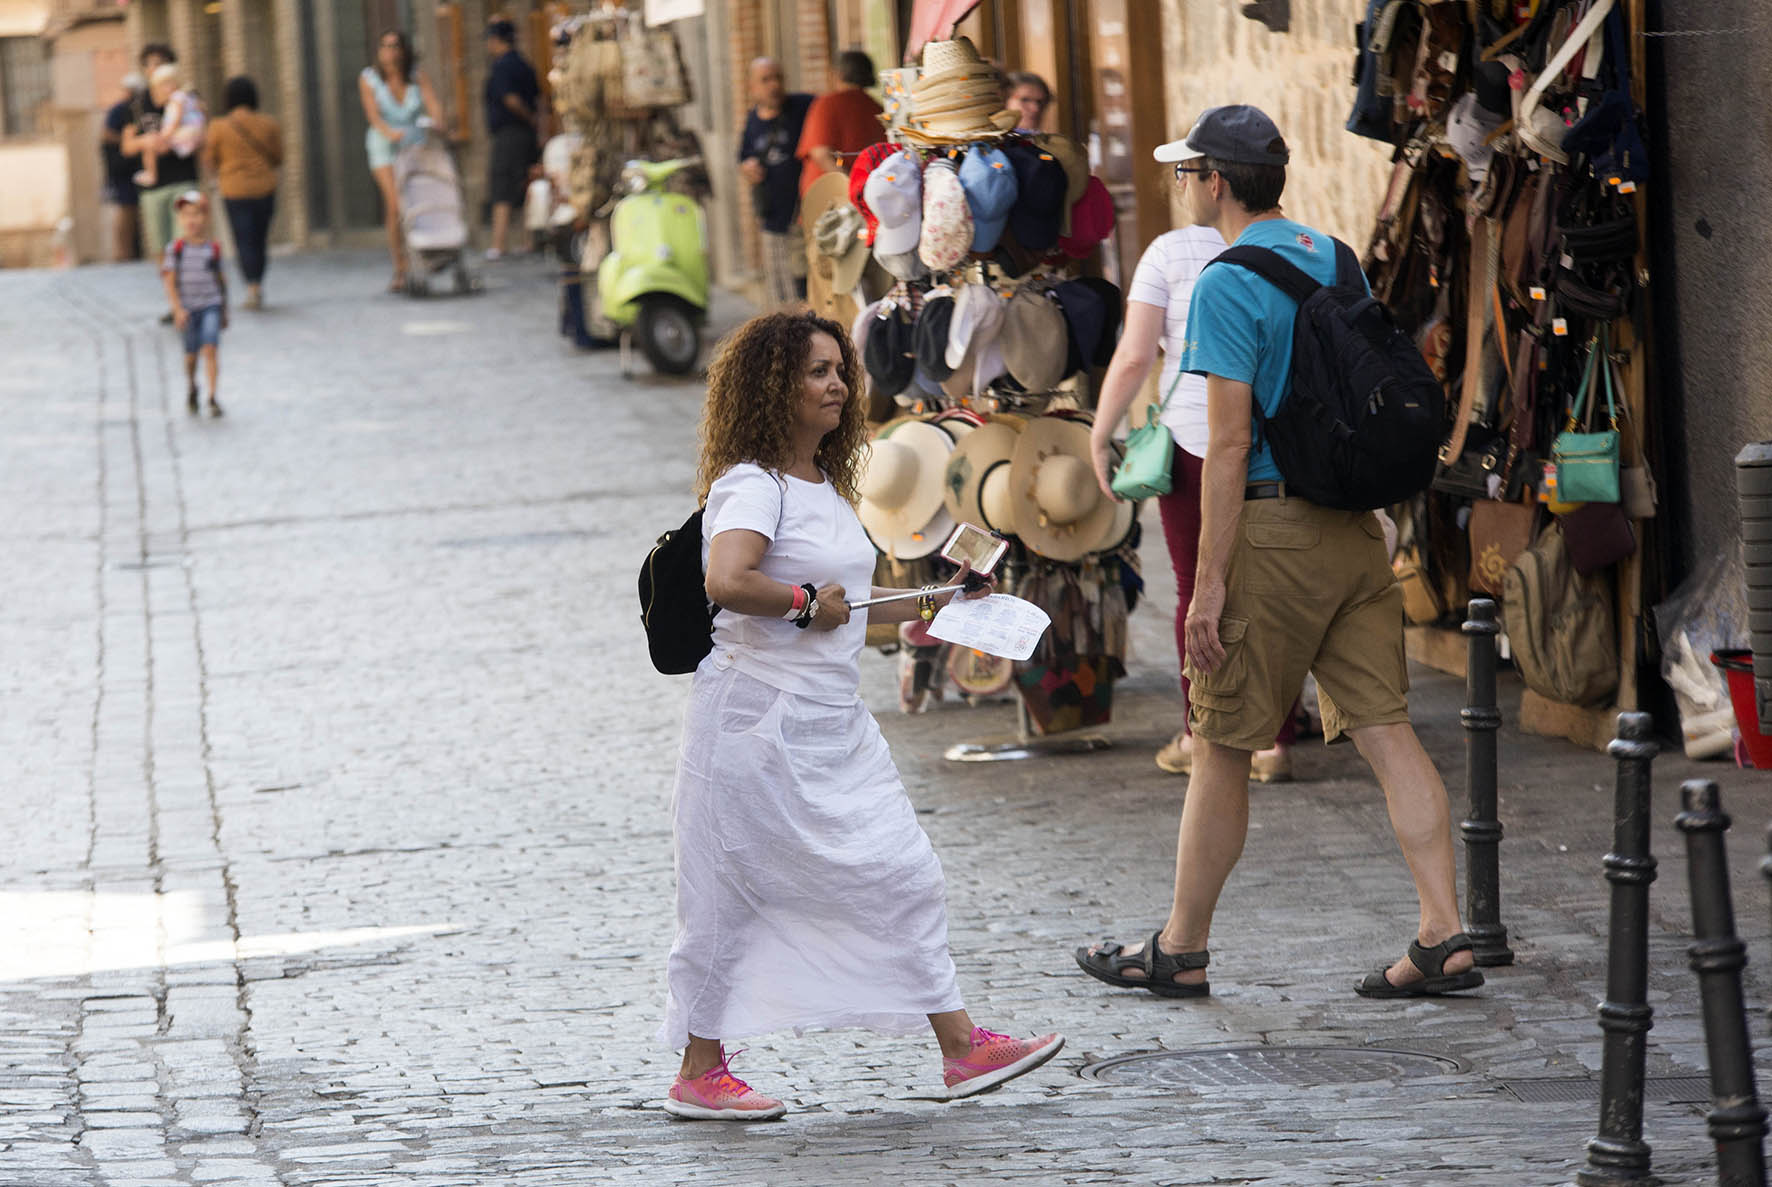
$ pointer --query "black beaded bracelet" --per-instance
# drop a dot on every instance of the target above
(811, 609)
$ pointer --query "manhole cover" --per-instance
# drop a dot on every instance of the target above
(1293, 1067)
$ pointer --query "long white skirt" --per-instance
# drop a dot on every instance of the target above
(808, 896)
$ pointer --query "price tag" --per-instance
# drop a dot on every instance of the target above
(1560, 326)
(1568, 261)
(1536, 292)
(1627, 187)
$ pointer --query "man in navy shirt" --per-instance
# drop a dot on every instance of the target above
(120, 189)
(512, 93)
(766, 159)
(1283, 587)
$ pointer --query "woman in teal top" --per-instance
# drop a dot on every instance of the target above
(394, 96)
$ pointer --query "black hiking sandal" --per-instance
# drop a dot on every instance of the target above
(1435, 980)
(1106, 964)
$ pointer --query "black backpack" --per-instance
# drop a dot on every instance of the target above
(1361, 424)
(674, 605)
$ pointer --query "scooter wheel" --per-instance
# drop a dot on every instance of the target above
(669, 334)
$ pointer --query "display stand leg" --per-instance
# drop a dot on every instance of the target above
(1024, 744)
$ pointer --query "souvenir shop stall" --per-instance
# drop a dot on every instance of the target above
(952, 248)
(1510, 243)
(616, 85)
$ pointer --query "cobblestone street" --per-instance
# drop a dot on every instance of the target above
(336, 843)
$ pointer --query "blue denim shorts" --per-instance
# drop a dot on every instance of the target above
(203, 328)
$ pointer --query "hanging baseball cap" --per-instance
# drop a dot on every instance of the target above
(991, 189)
(931, 336)
(890, 354)
(1039, 207)
(1091, 221)
(865, 164)
(947, 219)
(1035, 341)
(1075, 161)
(1112, 308)
(978, 318)
(1084, 318)
(1238, 133)
(894, 192)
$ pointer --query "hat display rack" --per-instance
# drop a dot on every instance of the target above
(1510, 243)
(959, 239)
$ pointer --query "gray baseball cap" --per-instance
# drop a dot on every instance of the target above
(1237, 133)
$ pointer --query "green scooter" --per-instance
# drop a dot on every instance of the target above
(653, 283)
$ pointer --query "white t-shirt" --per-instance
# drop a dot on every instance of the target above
(814, 536)
(1165, 278)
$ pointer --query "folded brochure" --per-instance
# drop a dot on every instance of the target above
(997, 625)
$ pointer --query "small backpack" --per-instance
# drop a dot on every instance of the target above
(1560, 624)
(1361, 423)
(674, 605)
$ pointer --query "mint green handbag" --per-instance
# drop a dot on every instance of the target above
(1587, 463)
(1144, 471)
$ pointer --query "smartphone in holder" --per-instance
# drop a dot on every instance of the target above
(976, 547)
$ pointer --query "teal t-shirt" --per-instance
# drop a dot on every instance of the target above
(1240, 326)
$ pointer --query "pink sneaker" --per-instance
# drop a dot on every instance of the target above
(994, 1059)
(718, 1095)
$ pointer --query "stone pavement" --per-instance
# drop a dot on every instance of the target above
(337, 848)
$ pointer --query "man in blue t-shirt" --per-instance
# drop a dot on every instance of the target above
(1283, 588)
(766, 159)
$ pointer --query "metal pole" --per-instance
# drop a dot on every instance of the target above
(1737, 1120)
(1482, 830)
(1618, 1153)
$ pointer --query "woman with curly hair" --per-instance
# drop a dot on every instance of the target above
(808, 895)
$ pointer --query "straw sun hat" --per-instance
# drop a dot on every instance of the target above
(901, 489)
(1059, 508)
(976, 484)
(957, 96)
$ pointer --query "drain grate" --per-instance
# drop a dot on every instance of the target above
(1662, 1090)
(1292, 1067)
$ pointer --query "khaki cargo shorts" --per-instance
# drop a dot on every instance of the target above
(1308, 589)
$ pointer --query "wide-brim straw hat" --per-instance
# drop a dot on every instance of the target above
(957, 94)
(901, 489)
(986, 448)
(1060, 510)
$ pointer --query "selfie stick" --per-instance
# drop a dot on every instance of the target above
(909, 593)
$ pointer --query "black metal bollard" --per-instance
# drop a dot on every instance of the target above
(1618, 1153)
(1737, 1120)
(1766, 872)
(1482, 830)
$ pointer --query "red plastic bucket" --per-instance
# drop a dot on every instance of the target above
(1738, 669)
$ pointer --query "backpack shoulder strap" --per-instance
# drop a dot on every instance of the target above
(1348, 273)
(1271, 266)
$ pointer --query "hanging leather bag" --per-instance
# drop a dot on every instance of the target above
(1499, 533)
(1587, 462)
(1598, 536)
(1560, 625)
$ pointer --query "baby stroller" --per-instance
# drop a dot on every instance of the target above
(431, 214)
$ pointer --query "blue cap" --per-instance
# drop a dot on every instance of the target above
(991, 189)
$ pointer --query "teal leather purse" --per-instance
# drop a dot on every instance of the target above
(1145, 469)
(1587, 462)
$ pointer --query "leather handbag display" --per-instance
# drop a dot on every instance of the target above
(1499, 533)
(1145, 470)
(1598, 536)
(1587, 462)
(1560, 624)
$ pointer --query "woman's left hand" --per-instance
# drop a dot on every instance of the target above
(983, 591)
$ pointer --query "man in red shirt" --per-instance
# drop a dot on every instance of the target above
(841, 123)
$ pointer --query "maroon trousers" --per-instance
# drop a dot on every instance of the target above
(1180, 511)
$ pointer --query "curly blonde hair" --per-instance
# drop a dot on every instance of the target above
(755, 385)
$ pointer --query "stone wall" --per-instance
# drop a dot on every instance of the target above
(1301, 78)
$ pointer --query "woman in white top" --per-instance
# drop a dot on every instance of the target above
(1156, 314)
(808, 895)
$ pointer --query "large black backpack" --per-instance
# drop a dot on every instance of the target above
(674, 605)
(1361, 424)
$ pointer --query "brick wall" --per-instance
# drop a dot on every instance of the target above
(747, 20)
(1300, 78)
